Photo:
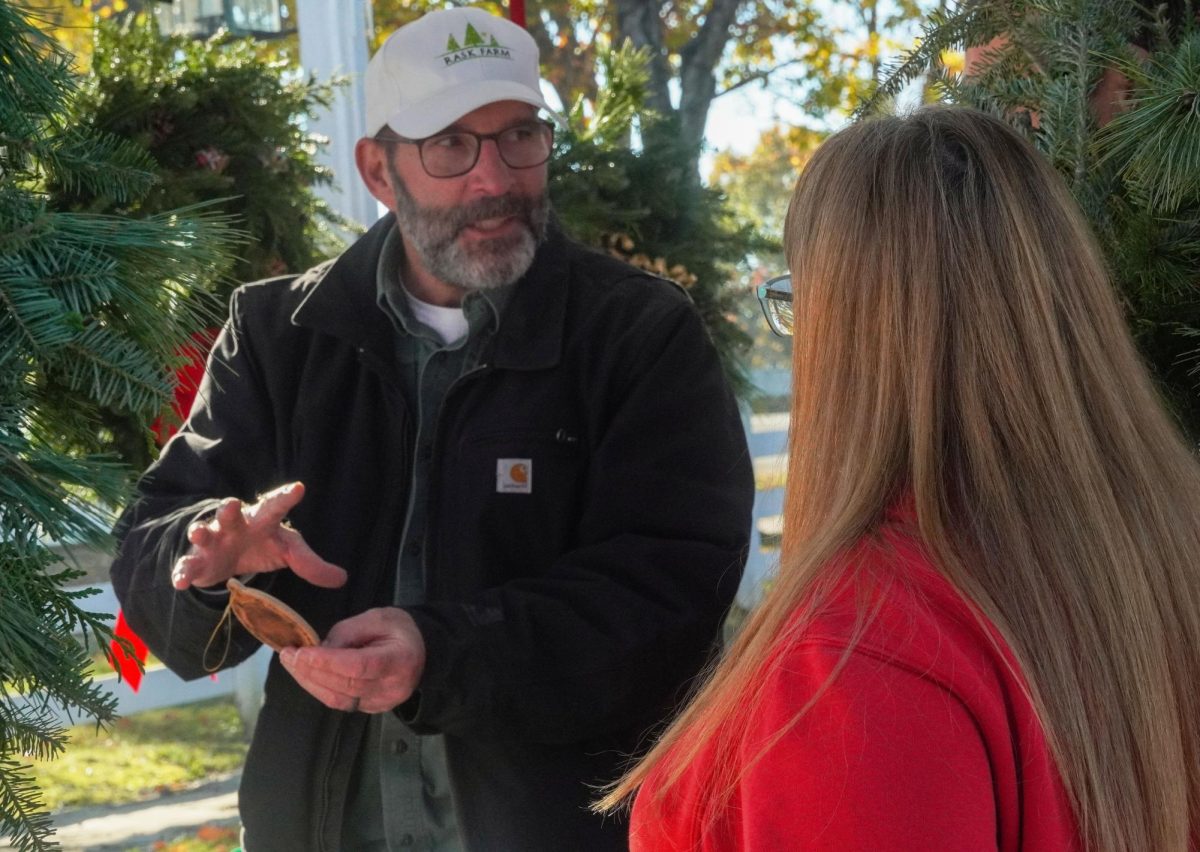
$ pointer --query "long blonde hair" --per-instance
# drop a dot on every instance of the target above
(959, 340)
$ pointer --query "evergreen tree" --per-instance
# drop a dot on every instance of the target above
(92, 308)
(640, 202)
(218, 122)
(1109, 91)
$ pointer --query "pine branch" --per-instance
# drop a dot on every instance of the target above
(99, 164)
(30, 312)
(35, 78)
(172, 256)
(618, 103)
(1158, 139)
(81, 280)
(22, 815)
(196, 235)
(42, 659)
(941, 31)
(23, 218)
(112, 370)
(40, 486)
(31, 731)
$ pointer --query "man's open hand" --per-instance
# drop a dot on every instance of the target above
(369, 662)
(246, 539)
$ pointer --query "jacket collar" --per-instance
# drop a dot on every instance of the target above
(341, 302)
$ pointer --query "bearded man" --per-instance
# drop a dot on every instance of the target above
(516, 490)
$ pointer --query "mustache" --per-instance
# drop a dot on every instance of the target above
(496, 207)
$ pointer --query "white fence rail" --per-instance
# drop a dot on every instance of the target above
(767, 437)
(160, 687)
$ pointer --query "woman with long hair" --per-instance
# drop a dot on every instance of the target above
(985, 632)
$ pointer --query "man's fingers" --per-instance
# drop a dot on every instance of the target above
(357, 631)
(200, 535)
(333, 698)
(274, 506)
(339, 669)
(376, 657)
(348, 671)
(192, 569)
(305, 562)
(180, 578)
(363, 672)
(228, 517)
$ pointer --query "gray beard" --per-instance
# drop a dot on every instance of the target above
(432, 233)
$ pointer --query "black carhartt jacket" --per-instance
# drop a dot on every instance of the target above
(562, 624)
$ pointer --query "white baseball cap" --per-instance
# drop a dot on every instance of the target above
(432, 72)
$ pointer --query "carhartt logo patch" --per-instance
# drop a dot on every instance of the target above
(474, 45)
(514, 476)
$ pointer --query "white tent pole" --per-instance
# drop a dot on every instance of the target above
(333, 40)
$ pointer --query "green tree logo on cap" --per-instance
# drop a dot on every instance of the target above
(475, 45)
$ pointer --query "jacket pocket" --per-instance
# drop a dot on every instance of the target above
(513, 501)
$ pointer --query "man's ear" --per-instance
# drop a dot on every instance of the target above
(371, 157)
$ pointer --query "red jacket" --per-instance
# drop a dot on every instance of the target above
(924, 741)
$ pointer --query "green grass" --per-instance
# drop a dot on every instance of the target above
(143, 755)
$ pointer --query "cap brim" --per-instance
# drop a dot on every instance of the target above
(449, 105)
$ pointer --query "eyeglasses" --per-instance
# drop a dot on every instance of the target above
(775, 296)
(447, 155)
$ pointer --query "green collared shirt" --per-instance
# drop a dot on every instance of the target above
(400, 796)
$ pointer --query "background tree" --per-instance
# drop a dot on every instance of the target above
(69, 23)
(218, 121)
(641, 204)
(92, 308)
(702, 50)
(758, 186)
(1107, 90)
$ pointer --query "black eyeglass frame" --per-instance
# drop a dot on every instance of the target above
(480, 138)
(779, 291)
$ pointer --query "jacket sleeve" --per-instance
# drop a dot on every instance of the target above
(608, 639)
(208, 460)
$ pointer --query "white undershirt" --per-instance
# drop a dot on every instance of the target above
(449, 323)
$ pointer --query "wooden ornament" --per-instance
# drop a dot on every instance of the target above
(269, 619)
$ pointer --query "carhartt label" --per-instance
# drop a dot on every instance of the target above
(474, 45)
(514, 476)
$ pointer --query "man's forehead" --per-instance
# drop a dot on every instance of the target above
(491, 115)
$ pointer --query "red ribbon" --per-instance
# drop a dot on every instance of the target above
(187, 380)
(130, 667)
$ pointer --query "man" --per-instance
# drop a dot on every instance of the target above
(516, 488)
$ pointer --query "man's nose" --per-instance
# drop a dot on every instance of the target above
(491, 174)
